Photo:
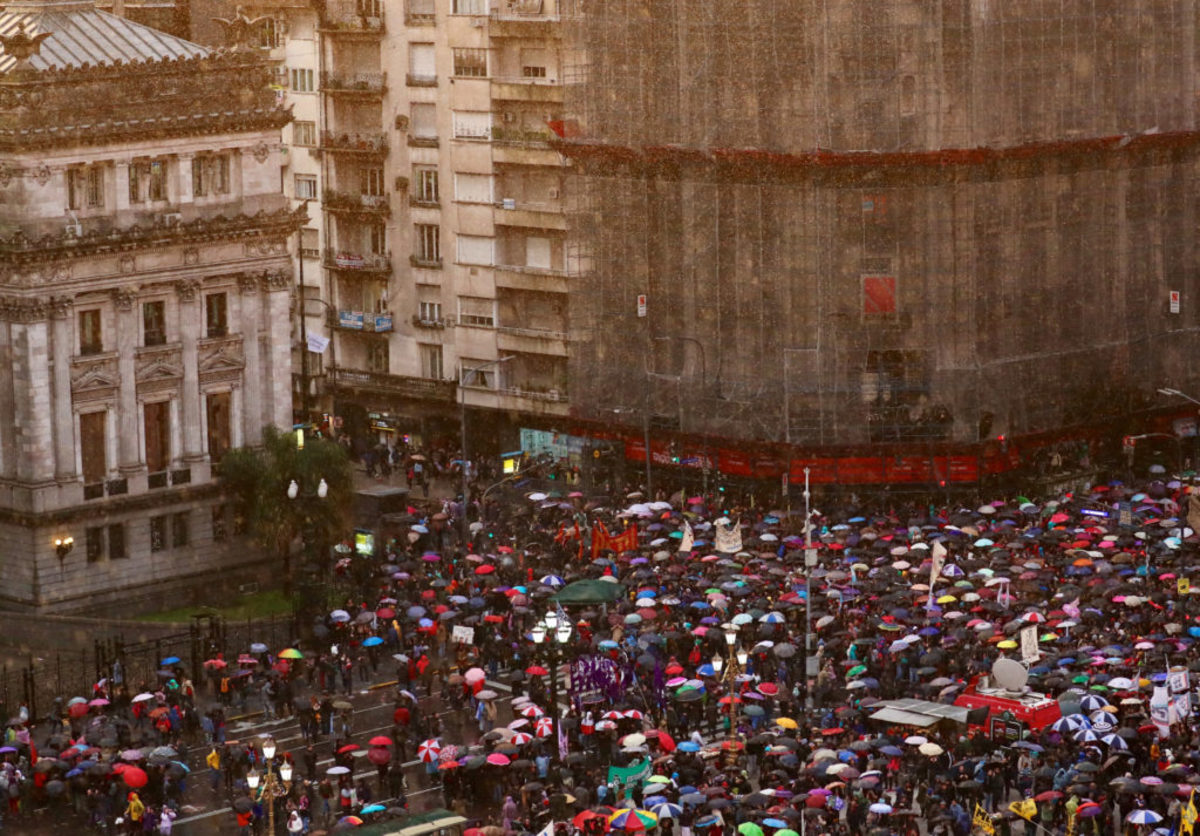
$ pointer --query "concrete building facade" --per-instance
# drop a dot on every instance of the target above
(437, 241)
(145, 322)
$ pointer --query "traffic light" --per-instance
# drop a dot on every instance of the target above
(674, 452)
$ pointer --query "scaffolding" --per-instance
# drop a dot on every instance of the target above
(882, 221)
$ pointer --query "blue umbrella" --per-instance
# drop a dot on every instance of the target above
(170, 660)
(891, 751)
(666, 810)
(688, 746)
(372, 808)
(774, 823)
(415, 612)
(373, 641)
(425, 622)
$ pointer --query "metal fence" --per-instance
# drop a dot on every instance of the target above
(63, 674)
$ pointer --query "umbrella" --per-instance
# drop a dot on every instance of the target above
(630, 820)
(428, 751)
(1143, 817)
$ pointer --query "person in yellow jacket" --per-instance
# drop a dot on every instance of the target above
(134, 811)
(214, 763)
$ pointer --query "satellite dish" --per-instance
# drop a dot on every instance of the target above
(1009, 674)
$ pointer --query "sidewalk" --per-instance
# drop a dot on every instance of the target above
(439, 487)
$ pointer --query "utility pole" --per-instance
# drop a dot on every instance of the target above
(810, 561)
(305, 406)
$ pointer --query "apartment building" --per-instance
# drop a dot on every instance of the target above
(435, 256)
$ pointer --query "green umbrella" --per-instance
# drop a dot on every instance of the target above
(1080, 680)
(856, 670)
(786, 832)
(749, 828)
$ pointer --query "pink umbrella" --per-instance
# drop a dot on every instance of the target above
(497, 759)
(474, 675)
(521, 738)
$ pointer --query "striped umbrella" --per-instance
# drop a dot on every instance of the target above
(631, 820)
(665, 809)
(544, 727)
(428, 751)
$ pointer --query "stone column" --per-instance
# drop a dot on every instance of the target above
(183, 186)
(278, 284)
(64, 419)
(8, 415)
(121, 197)
(31, 372)
(129, 455)
(254, 374)
(190, 315)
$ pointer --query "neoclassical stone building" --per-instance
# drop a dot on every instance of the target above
(145, 304)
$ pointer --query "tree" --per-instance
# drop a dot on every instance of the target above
(258, 480)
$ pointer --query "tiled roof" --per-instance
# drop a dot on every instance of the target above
(81, 34)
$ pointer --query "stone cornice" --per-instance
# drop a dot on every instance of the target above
(114, 131)
(20, 249)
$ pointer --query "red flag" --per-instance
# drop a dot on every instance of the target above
(626, 541)
(599, 539)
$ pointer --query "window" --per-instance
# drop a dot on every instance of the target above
(473, 188)
(216, 314)
(879, 295)
(421, 9)
(370, 182)
(377, 356)
(302, 81)
(422, 62)
(426, 180)
(116, 542)
(156, 182)
(533, 72)
(474, 249)
(431, 361)
(139, 176)
(537, 253)
(90, 337)
(424, 121)
(156, 425)
(148, 180)
(430, 311)
(377, 239)
(95, 544)
(220, 531)
(181, 533)
(304, 133)
(470, 62)
(154, 323)
(85, 187)
(370, 8)
(210, 174)
(472, 124)
(158, 533)
(470, 373)
(273, 32)
(310, 243)
(93, 444)
(474, 310)
(306, 186)
(217, 409)
(428, 245)
(469, 7)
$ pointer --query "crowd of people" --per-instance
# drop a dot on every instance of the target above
(608, 664)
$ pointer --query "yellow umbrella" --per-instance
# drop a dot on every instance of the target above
(1007, 644)
(947, 599)
(786, 722)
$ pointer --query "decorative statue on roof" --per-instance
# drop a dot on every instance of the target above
(241, 30)
(21, 45)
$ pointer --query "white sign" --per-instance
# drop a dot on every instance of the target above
(641, 303)
(1174, 302)
(463, 635)
(1029, 644)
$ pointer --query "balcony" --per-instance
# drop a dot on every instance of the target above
(415, 141)
(514, 24)
(426, 263)
(530, 216)
(359, 27)
(375, 206)
(420, 19)
(507, 152)
(532, 341)
(411, 80)
(377, 323)
(438, 324)
(369, 145)
(372, 85)
(522, 89)
(511, 277)
(424, 388)
(355, 263)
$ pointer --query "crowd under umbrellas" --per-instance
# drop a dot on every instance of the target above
(693, 710)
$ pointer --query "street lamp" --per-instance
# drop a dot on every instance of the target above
(462, 418)
(274, 785)
(560, 633)
(1175, 393)
(309, 583)
(733, 667)
(810, 560)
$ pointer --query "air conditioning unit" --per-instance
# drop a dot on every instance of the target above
(552, 193)
(170, 218)
(477, 23)
(509, 116)
(401, 183)
(401, 123)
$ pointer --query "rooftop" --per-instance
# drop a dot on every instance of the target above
(79, 35)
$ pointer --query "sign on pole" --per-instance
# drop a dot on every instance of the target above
(463, 635)
(1174, 301)
(1029, 644)
(641, 304)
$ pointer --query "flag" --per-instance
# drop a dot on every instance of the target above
(1160, 711)
(983, 820)
(1029, 643)
(1187, 818)
(937, 561)
(729, 537)
(689, 539)
(635, 772)
(316, 343)
(1026, 809)
(562, 735)
(626, 541)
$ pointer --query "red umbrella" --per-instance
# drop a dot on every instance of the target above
(534, 670)
(349, 747)
(379, 756)
(380, 740)
(666, 742)
(485, 569)
(385, 612)
(78, 710)
(133, 777)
